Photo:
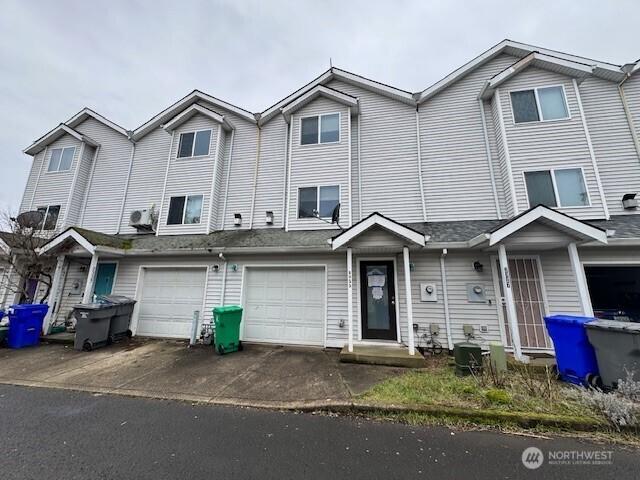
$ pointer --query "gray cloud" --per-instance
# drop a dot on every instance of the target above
(128, 60)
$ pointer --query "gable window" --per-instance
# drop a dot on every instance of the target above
(544, 103)
(185, 210)
(318, 201)
(49, 217)
(320, 129)
(557, 188)
(194, 144)
(61, 159)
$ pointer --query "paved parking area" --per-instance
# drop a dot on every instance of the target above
(259, 375)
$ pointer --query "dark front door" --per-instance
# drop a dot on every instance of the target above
(378, 300)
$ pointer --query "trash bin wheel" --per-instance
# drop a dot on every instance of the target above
(220, 350)
(594, 381)
(240, 346)
(111, 339)
(129, 333)
(87, 346)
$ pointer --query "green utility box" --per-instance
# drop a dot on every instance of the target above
(468, 357)
(226, 337)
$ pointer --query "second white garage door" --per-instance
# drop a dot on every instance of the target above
(168, 299)
(284, 305)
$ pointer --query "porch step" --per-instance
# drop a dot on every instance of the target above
(376, 355)
(62, 337)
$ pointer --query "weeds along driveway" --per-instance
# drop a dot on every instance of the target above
(259, 375)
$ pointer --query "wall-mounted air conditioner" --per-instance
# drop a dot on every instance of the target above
(142, 219)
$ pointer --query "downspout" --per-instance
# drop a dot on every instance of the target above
(359, 167)
(226, 187)
(350, 168)
(35, 187)
(126, 185)
(284, 175)
(255, 177)
(74, 182)
(445, 299)
(489, 159)
(424, 207)
(288, 175)
(627, 112)
(164, 186)
(86, 193)
(224, 278)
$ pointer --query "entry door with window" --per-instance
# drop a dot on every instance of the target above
(378, 300)
(104, 278)
(530, 304)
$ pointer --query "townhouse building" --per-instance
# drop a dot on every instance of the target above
(353, 213)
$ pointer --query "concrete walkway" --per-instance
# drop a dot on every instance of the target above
(260, 376)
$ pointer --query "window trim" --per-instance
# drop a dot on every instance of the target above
(555, 186)
(317, 187)
(184, 209)
(46, 214)
(193, 146)
(535, 94)
(319, 116)
(61, 154)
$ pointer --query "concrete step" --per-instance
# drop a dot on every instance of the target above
(391, 356)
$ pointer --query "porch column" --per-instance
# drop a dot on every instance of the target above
(350, 296)
(54, 296)
(581, 280)
(512, 316)
(407, 285)
(91, 279)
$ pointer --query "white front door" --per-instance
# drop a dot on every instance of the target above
(168, 299)
(528, 295)
(284, 305)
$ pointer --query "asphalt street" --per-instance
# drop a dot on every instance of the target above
(57, 434)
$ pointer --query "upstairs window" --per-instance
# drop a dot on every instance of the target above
(318, 201)
(320, 129)
(185, 210)
(49, 217)
(557, 188)
(545, 103)
(194, 144)
(61, 159)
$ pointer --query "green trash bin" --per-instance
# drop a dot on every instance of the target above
(226, 337)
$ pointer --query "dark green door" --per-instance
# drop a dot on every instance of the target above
(104, 278)
(378, 300)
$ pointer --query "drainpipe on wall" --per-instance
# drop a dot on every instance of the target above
(255, 178)
(445, 299)
(627, 112)
(224, 278)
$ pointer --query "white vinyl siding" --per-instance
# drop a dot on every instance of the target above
(189, 176)
(320, 164)
(547, 145)
(80, 187)
(456, 175)
(32, 181)
(106, 188)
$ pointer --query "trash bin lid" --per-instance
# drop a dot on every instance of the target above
(227, 309)
(115, 299)
(616, 325)
(569, 319)
(92, 306)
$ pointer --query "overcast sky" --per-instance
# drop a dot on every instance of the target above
(128, 60)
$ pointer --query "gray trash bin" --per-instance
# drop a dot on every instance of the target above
(92, 324)
(121, 321)
(617, 347)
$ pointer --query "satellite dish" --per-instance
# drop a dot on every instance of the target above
(335, 215)
(31, 219)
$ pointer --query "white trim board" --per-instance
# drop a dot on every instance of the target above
(383, 222)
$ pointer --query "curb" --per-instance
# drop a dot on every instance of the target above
(525, 420)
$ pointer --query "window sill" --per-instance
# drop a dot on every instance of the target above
(304, 145)
(55, 172)
(197, 157)
(542, 122)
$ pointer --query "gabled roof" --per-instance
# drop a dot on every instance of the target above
(378, 220)
(321, 91)
(547, 215)
(539, 60)
(604, 70)
(88, 239)
(195, 109)
(85, 113)
(53, 135)
(338, 74)
(195, 96)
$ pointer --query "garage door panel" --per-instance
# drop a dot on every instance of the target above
(284, 305)
(168, 300)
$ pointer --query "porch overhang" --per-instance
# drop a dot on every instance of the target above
(577, 229)
(376, 219)
(73, 236)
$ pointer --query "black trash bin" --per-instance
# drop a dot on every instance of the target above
(121, 321)
(93, 321)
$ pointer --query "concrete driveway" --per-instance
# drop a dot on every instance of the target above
(269, 376)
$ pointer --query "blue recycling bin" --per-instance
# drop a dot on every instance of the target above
(575, 356)
(25, 324)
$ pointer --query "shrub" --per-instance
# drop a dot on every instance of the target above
(618, 410)
(629, 388)
(496, 395)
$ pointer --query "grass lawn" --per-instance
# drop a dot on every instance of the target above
(519, 391)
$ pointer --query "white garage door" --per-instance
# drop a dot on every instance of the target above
(169, 297)
(284, 305)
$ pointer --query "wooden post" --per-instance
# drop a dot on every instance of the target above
(350, 296)
(54, 294)
(512, 315)
(91, 279)
(407, 285)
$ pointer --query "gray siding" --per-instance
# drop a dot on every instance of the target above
(542, 145)
(632, 93)
(319, 164)
(389, 156)
(455, 169)
(101, 211)
(80, 187)
(35, 172)
(503, 160)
